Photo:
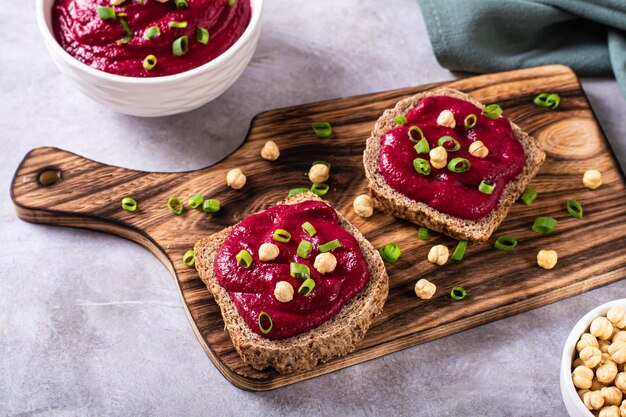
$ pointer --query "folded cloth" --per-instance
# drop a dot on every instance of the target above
(494, 35)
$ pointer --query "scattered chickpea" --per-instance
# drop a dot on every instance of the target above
(590, 356)
(620, 381)
(606, 373)
(425, 289)
(582, 377)
(235, 179)
(438, 254)
(592, 179)
(601, 328)
(617, 350)
(268, 252)
(612, 395)
(325, 263)
(270, 151)
(594, 400)
(617, 317)
(478, 149)
(610, 411)
(283, 291)
(547, 258)
(446, 119)
(438, 157)
(363, 205)
(319, 173)
(586, 339)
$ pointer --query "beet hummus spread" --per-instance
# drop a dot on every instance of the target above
(252, 288)
(148, 38)
(453, 193)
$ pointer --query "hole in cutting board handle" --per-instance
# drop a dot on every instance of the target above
(48, 177)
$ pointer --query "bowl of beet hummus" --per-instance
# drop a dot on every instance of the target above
(151, 57)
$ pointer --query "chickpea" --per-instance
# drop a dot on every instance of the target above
(319, 173)
(590, 356)
(363, 205)
(601, 328)
(619, 336)
(610, 411)
(617, 350)
(586, 339)
(270, 151)
(438, 254)
(268, 252)
(581, 393)
(606, 358)
(582, 377)
(620, 381)
(438, 157)
(446, 119)
(425, 289)
(578, 362)
(617, 317)
(547, 259)
(478, 149)
(612, 395)
(116, 2)
(592, 179)
(325, 263)
(604, 346)
(622, 408)
(596, 385)
(235, 179)
(606, 373)
(283, 291)
(594, 400)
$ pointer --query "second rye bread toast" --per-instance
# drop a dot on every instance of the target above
(335, 337)
(421, 213)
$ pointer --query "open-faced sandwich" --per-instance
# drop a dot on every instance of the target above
(296, 284)
(443, 160)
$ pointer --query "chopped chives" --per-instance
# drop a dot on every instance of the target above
(400, 120)
(328, 246)
(529, 196)
(308, 227)
(129, 204)
(544, 225)
(306, 287)
(422, 166)
(295, 191)
(449, 143)
(231, 2)
(149, 62)
(505, 243)
(390, 252)
(202, 35)
(470, 121)
(178, 25)
(299, 271)
(422, 146)
(412, 135)
(211, 205)
(281, 235)
(195, 201)
(180, 45)
(265, 330)
(486, 186)
(322, 129)
(106, 13)
(492, 111)
(181, 4)
(574, 208)
(550, 100)
(128, 33)
(152, 32)
(304, 249)
(244, 259)
(459, 165)
(423, 233)
(458, 293)
(189, 259)
(175, 205)
(459, 251)
(319, 188)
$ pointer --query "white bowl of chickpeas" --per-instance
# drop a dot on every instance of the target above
(593, 378)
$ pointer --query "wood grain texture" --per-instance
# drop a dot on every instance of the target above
(592, 251)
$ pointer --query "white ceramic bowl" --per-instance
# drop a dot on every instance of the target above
(156, 96)
(573, 404)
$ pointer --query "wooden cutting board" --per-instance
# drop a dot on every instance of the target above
(592, 251)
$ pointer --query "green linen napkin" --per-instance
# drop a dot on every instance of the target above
(494, 35)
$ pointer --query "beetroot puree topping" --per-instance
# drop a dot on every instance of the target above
(252, 289)
(453, 193)
(86, 37)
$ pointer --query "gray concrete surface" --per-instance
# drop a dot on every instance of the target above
(91, 324)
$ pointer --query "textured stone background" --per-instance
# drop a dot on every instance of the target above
(91, 324)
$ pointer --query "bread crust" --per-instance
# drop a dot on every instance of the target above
(424, 215)
(335, 337)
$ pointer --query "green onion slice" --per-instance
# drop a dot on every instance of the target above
(550, 100)
(320, 188)
(505, 243)
(181, 4)
(308, 227)
(574, 208)
(231, 2)
(128, 33)
(195, 201)
(202, 35)
(400, 120)
(281, 235)
(306, 287)
(328, 246)
(423, 233)
(492, 111)
(422, 146)
(178, 25)
(486, 186)
(391, 252)
(129, 204)
(529, 196)
(304, 249)
(295, 191)
(180, 45)
(458, 293)
(459, 251)
(175, 205)
(152, 32)
(322, 129)
(244, 259)
(122, 14)
(189, 259)
(265, 330)
(422, 166)
(211, 205)
(150, 62)
(415, 134)
(106, 13)
(459, 165)
(449, 143)
(470, 121)
(299, 271)
(544, 225)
